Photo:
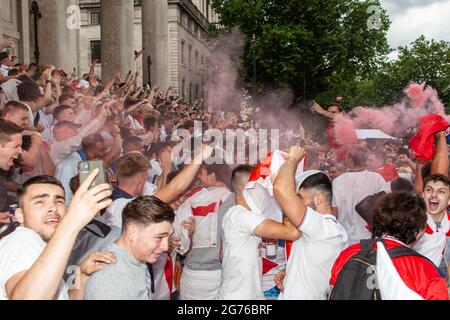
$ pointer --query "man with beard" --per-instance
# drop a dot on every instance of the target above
(306, 202)
(33, 258)
(436, 195)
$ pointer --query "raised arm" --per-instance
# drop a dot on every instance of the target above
(42, 280)
(270, 229)
(285, 191)
(440, 160)
(185, 178)
(318, 108)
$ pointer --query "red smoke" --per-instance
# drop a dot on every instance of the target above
(394, 120)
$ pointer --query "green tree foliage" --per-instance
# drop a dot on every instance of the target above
(306, 45)
(424, 61)
(324, 49)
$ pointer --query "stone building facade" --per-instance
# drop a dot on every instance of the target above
(174, 33)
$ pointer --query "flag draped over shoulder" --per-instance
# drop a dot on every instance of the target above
(422, 143)
(389, 281)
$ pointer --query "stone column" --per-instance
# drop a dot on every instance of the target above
(24, 27)
(117, 34)
(155, 38)
(58, 33)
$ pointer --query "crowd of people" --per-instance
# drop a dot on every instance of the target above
(168, 223)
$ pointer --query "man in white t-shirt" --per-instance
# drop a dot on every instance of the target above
(436, 194)
(306, 202)
(33, 258)
(242, 231)
(350, 189)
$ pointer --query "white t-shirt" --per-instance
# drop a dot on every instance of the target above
(18, 252)
(312, 257)
(433, 243)
(349, 190)
(241, 265)
(113, 214)
(155, 172)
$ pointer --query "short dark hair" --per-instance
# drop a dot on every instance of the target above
(130, 165)
(65, 97)
(60, 109)
(221, 172)
(130, 141)
(37, 180)
(146, 210)
(67, 90)
(7, 129)
(436, 178)
(28, 91)
(237, 173)
(337, 105)
(403, 150)
(150, 122)
(12, 107)
(90, 142)
(13, 72)
(32, 64)
(319, 182)
(402, 185)
(399, 215)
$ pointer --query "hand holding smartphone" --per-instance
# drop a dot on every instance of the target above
(86, 167)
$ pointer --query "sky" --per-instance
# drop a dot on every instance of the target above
(411, 18)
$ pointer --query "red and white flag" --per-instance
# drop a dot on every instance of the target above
(259, 190)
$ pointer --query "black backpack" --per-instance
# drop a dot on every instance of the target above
(357, 279)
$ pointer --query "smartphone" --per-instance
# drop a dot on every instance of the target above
(86, 167)
(311, 104)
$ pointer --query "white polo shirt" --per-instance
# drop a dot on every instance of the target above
(433, 242)
(312, 257)
(18, 252)
(241, 264)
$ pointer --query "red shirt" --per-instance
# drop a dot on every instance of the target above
(341, 152)
(389, 172)
(419, 274)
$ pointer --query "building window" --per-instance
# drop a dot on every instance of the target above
(196, 92)
(182, 51)
(95, 18)
(96, 50)
(190, 57)
(183, 87)
(196, 61)
(190, 92)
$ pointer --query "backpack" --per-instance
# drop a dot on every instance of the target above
(357, 279)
